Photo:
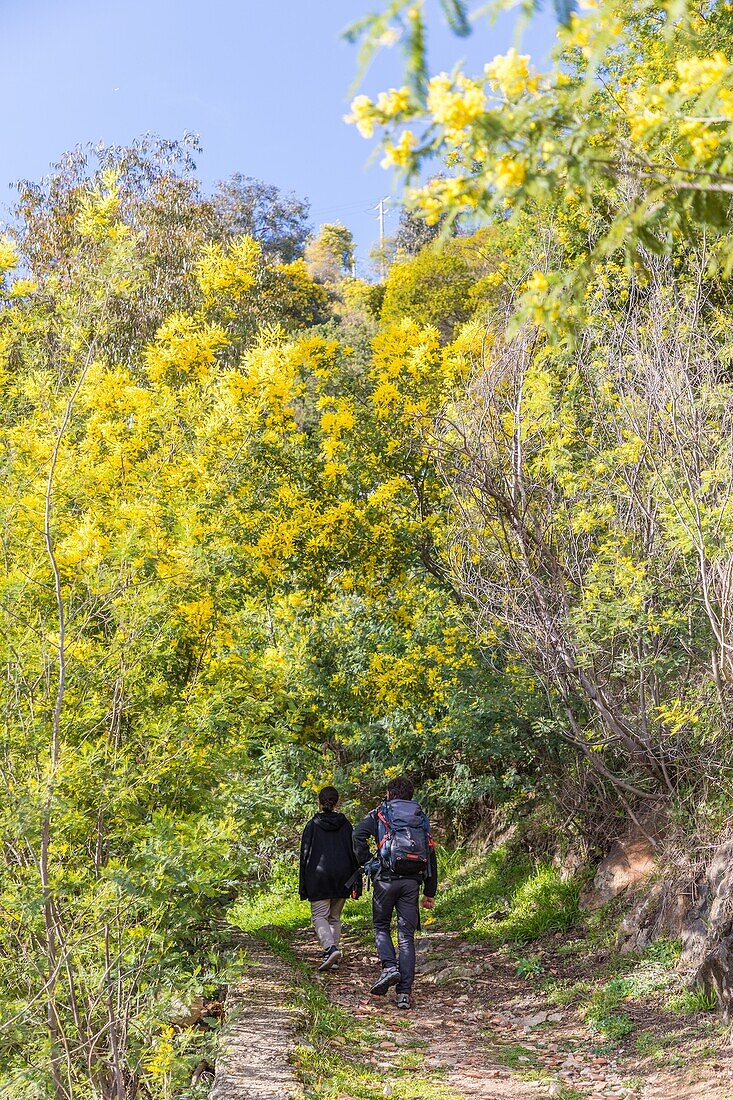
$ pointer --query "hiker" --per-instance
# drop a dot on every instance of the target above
(327, 862)
(405, 860)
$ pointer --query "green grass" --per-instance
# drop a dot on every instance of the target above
(692, 1001)
(529, 967)
(277, 905)
(648, 1044)
(528, 899)
(612, 1025)
(664, 952)
(506, 897)
(523, 1061)
(561, 992)
(515, 1056)
(636, 979)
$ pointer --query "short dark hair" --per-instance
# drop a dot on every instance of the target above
(401, 787)
(327, 798)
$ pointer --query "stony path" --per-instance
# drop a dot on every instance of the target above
(485, 1032)
(259, 1034)
(490, 1035)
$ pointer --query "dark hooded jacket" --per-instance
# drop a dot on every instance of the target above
(327, 859)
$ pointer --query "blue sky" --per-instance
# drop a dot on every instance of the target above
(265, 83)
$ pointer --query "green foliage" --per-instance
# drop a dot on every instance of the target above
(432, 288)
(529, 967)
(507, 897)
(517, 1057)
(693, 1001)
(664, 952)
(612, 1025)
(649, 1043)
(330, 254)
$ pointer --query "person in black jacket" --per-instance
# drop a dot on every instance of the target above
(327, 862)
(397, 892)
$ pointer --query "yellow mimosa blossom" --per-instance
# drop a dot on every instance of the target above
(641, 123)
(537, 282)
(697, 74)
(23, 287)
(198, 613)
(509, 73)
(455, 105)
(229, 271)
(439, 195)
(703, 141)
(394, 102)
(183, 347)
(399, 155)
(578, 34)
(363, 115)
(676, 714)
(8, 255)
(508, 173)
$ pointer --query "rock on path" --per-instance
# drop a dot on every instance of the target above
(258, 1035)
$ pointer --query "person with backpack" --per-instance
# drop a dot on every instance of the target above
(405, 861)
(327, 861)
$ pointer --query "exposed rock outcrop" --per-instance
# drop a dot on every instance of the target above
(630, 861)
(698, 911)
(707, 929)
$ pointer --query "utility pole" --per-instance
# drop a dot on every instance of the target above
(380, 208)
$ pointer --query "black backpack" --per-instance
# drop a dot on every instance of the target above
(404, 840)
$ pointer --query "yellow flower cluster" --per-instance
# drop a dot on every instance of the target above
(183, 347)
(509, 73)
(363, 115)
(8, 255)
(229, 272)
(99, 214)
(21, 288)
(676, 714)
(198, 613)
(509, 173)
(537, 283)
(440, 195)
(698, 74)
(578, 34)
(366, 114)
(703, 141)
(399, 155)
(454, 105)
(339, 418)
(393, 103)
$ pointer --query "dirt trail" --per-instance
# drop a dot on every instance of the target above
(259, 1034)
(493, 1037)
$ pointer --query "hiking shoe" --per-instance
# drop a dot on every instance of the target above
(331, 958)
(403, 1000)
(390, 976)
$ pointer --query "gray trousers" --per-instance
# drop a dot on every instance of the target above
(399, 894)
(326, 917)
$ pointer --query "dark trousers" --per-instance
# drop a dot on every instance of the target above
(400, 894)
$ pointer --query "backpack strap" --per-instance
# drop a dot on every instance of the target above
(383, 819)
(428, 834)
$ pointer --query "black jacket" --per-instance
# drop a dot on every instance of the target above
(327, 859)
(369, 827)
